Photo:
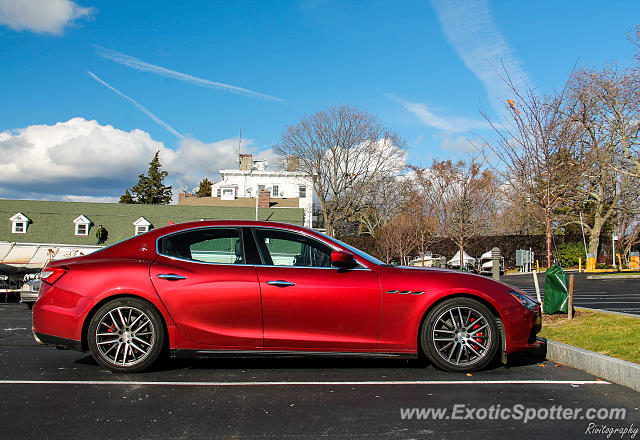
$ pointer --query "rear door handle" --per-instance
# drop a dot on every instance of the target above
(171, 277)
(281, 283)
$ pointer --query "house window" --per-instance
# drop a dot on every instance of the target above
(274, 191)
(141, 229)
(219, 192)
(19, 223)
(302, 191)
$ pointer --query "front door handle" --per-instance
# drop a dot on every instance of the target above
(171, 277)
(281, 283)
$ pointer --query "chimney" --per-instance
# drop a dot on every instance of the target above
(264, 199)
(293, 163)
(246, 162)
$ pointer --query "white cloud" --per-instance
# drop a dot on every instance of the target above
(446, 124)
(81, 160)
(458, 145)
(41, 16)
(194, 160)
(143, 66)
(470, 29)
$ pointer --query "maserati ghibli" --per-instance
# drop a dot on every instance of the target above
(271, 289)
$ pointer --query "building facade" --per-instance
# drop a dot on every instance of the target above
(253, 184)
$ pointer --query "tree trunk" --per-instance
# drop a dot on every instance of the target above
(547, 222)
(594, 238)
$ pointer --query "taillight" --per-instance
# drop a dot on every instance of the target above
(52, 274)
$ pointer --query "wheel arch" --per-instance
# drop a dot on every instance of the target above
(481, 300)
(85, 325)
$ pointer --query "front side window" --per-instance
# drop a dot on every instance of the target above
(284, 248)
(207, 245)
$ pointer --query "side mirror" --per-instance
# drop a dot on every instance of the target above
(342, 259)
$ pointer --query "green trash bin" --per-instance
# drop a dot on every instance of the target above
(555, 291)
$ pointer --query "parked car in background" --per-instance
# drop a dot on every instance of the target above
(30, 292)
(244, 287)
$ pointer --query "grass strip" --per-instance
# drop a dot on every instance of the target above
(605, 333)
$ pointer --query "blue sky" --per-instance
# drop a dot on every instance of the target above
(91, 89)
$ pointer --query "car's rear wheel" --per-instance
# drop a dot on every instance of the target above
(460, 334)
(126, 335)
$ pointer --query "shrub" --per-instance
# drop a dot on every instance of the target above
(569, 253)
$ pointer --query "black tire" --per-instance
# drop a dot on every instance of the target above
(460, 334)
(29, 305)
(126, 335)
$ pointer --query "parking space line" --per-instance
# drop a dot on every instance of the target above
(311, 383)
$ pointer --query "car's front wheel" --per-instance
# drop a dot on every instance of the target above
(126, 335)
(460, 334)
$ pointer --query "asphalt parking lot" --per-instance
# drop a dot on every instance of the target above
(618, 295)
(51, 393)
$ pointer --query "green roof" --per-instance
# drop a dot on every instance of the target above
(52, 222)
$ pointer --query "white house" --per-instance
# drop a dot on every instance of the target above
(254, 176)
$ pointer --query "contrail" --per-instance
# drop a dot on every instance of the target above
(135, 63)
(138, 105)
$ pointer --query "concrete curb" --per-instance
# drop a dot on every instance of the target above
(608, 312)
(612, 277)
(609, 368)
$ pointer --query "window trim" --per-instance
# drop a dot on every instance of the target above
(309, 236)
(86, 231)
(361, 266)
(14, 227)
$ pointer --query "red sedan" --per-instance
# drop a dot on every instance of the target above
(239, 287)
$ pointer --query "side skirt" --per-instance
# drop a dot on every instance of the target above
(181, 353)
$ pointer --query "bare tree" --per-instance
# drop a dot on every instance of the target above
(607, 107)
(537, 151)
(346, 152)
(460, 199)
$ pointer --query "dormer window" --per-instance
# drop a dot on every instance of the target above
(141, 226)
(19, 223)
(82, 225)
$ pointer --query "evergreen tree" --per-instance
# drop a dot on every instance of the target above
(150, 189)
(205, 188)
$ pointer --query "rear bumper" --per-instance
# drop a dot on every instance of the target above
(45, 339)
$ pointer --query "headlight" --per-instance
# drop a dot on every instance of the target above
(525, 300)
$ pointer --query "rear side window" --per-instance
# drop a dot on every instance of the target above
(208, 245)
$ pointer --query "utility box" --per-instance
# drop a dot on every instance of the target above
(591, 263)
(634, 262)
(524, 259)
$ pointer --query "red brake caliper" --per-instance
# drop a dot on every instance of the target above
(479, 334)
